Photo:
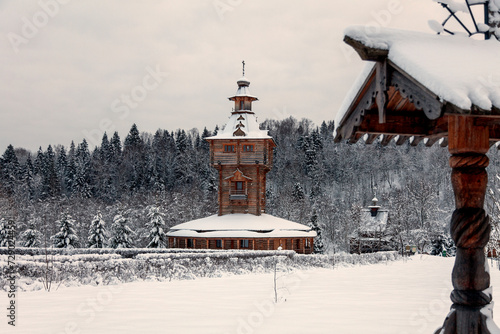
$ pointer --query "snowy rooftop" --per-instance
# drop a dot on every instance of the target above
(242, 226)
(246, 122)
(374, 223)
(458, 69)
(242, 123)
(243, 88)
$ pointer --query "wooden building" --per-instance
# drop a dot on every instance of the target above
(432, 89)
(372, 235)
(243, 155)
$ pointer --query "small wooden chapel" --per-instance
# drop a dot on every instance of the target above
(372, 235)
(242, 153)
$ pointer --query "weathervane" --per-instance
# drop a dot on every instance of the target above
(243, 62)
(453, 8)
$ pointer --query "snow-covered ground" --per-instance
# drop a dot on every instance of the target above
(394, 297)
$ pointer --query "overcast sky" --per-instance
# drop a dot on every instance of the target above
(73, 69)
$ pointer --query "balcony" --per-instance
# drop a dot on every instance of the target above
(238, 195)
(243, 158)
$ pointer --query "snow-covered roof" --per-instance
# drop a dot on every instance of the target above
(458, 69)
(351, 95)
(243, 89)
(242, 124)
(374, 223)
(239, 225)
(244, 121)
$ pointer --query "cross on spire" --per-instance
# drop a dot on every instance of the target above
(243, 62)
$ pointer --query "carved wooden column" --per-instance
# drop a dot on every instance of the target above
(470, 227)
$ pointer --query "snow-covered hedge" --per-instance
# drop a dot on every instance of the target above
(96, 269)
(125, 252)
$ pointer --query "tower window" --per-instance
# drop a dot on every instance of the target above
(242, 105)
(218, 243)
(247, 148)
(228, 148)
(190, 243)
(243, 243)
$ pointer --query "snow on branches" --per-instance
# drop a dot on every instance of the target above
(97, 232)
(156, 226)
(121, 233)
(66, 237)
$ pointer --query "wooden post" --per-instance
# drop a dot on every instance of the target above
(470, 228)
(493, 19)
(219, 168)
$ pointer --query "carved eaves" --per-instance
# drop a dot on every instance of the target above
(422, 99)
(392, 104)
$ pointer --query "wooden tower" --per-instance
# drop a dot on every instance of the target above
(243, 154)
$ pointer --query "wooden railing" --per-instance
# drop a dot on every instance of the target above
(245, 158)
(238, 194)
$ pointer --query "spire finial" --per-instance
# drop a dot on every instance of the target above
(243, 62)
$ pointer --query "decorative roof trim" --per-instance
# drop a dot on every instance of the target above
(238, 174)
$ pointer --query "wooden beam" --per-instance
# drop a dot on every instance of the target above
(397, 125)
(365, 52)
(381, 89)
(354, 139)
(416, 140)
(431, 141)
(386, 139)
(470, 227)
(371, 138)
(401, 140)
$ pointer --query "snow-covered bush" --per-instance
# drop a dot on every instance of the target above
(31, 237)
(443, 243)
(108, 266)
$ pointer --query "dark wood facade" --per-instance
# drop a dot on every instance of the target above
(393, 104)
(299, 245)
(242, 165)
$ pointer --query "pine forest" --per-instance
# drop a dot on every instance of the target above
(127, 193)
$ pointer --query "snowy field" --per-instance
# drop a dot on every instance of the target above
(394, 297)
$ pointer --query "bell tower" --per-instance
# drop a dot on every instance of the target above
(243, 155)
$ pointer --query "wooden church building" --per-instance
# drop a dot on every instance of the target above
(243, 155)
(372, 235)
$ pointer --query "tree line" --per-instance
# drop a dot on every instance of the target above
(313, 181)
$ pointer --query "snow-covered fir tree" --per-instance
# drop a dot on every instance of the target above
(31, 237)
(97, 232)
(9, 170)
(155, 226)
(298, 193)
(66, 237)
(4, 235)
(443, 243)
(121, 233)
(319, 245)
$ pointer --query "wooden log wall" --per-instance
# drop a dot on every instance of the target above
(295, 244)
